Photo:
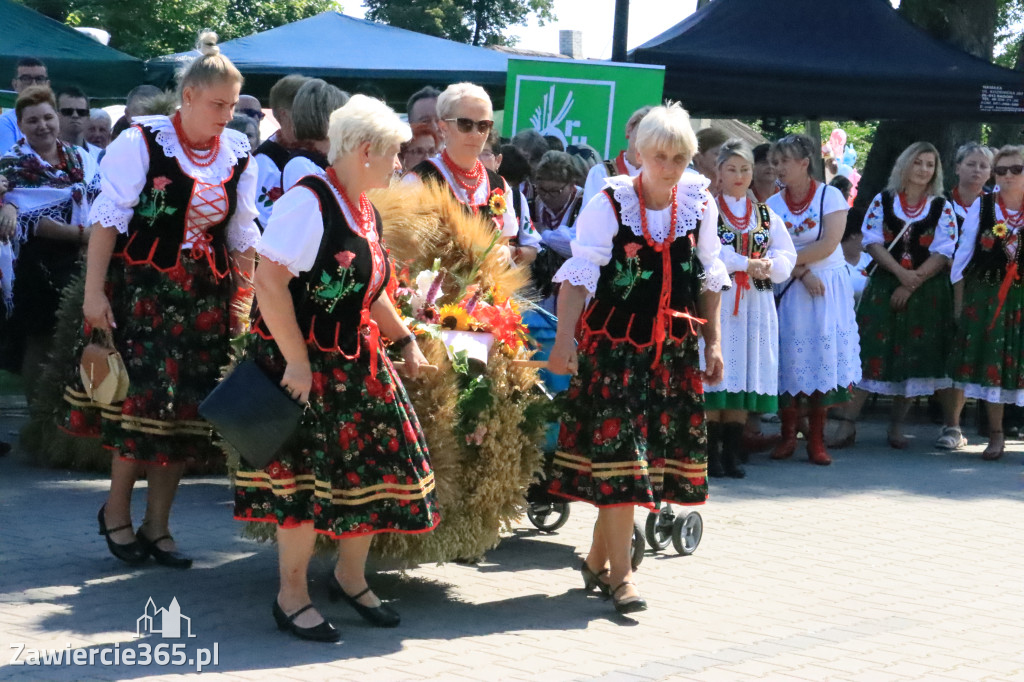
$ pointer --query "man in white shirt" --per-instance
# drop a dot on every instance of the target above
(30, 71)
(624, 164)
(73, 108)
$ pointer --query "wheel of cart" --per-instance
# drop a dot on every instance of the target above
(686, 532)
(658, 530)
(549, 515)
(638, 546)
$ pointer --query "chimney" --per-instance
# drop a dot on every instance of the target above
(570, 44)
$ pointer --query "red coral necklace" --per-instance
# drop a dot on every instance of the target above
(912, 211)
(800, 208)
(467, 180)
(740, 223)
(363, 214)
(671, 236)
(1016, 220)
(200, 155)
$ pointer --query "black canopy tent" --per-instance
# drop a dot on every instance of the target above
(71, 57)
(814, 59)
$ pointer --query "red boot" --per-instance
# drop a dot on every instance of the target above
(787, 447)
(816, 442)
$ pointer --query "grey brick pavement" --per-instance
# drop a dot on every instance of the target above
(886, 566)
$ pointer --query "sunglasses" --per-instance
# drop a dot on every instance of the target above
(253, 113)
(466, 125)
(71, 111)
(582, 152)
(1016, 169)
(29, 80)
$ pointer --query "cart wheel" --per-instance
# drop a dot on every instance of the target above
(548, 516)
(658, 532)
(638, 546)
(686, 533)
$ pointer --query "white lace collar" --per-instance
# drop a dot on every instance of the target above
(479, 198)
(233, 147)
(692, 199)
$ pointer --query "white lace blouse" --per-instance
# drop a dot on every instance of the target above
(597, 226)
(126, 163)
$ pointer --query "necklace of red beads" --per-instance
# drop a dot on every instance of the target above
(1014, 219)
(802, 206)
(671, 236)
(958, 200)
(467, 180)
(914, 211)
(200, 155)
(363, 213)
(739, 222)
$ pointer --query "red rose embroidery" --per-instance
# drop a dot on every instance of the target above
(344, 258)
(631, 249)
(171, 367)
(606, 489)
(274, 193)
(927, 239)
(610, 428)
(319, 383)
(353, 478)
(160, 183)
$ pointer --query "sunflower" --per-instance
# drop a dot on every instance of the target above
(999, 229)
(455, 317)
(497, 203)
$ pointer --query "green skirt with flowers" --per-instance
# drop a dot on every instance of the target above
(987, 360)
(905, 352)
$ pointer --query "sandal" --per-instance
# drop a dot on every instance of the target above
(628, 604)
(990, 455)
(592, 579)
(951, 438)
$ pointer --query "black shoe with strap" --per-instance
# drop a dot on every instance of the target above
(592, 579)
(382, 616)
(321, 632)
(163, 557)
(628, 604)
(132, 553)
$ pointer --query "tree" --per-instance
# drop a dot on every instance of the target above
(477, 22)
(148, 28)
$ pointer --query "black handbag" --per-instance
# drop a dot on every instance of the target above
(252, 413)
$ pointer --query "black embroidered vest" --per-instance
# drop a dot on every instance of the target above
(915, 241)
(428, 172)
(348, 275)
(274, 151)
(156, 230)
(628, 304)
(990, 259)
(758, 240)
(311, 154)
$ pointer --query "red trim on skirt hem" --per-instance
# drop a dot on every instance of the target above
(335, 536)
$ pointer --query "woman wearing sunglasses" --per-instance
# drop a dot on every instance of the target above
(987, 360)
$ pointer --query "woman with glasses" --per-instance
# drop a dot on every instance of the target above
(819, 350)
(422, 146)
(905, 315)
(987, 360)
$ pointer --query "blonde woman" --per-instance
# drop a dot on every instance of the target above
(906, 313)
(633, 433)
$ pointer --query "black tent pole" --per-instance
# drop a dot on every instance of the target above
(620, 31)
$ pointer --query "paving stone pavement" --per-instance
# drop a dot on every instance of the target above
(885, 566)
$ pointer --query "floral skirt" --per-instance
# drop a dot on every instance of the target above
(172, 333)
(357, 465)
(631, 434)
(905, 353)
(988, 364)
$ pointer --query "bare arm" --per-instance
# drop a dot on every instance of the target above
(710, 307)
(51, 229)
(95, 305)
(571, 299)
(390, 322)
(275, 300)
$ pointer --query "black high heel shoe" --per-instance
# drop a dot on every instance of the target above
(382, 616)
(592, 579)
(132, 553)
(633, 605)
(322, 632)
(162, 557)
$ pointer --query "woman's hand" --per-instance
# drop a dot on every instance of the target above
(899, 298)
(714, 366)
(8, 222)
(563, 358)
(910, 279)
(414, 359)
(3, 185)
(759, 268)
(297, 380)
(815, 287)
(97, 312)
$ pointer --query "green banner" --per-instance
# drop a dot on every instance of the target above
(579, 102)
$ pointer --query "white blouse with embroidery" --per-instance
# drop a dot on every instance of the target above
(781, 251)
(969, 238)
(126, 163)
(944, 242)
(597, 226)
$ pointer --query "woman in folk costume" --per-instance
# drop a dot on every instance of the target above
(466, 118)
(314, 103)
(358, 464)
(757, 251)
(987, 359)
(973, 171)
(906, 313)
(646, 254)
(819, 353)
(171, 249)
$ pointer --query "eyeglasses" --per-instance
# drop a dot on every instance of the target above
(1016, 169)
(25, 79)
(253, 113)
(71, 111)
(466, 125)
(551, 191)
(582, 152)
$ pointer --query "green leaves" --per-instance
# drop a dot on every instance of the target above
(478, 22)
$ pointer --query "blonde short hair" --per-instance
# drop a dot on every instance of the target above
(1008, 150)
(667, 127)
(365, 119)
(455, 93)
(637, 116)
(209, 68)
(905, 161)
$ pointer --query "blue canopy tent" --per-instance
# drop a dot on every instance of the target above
(347, 51)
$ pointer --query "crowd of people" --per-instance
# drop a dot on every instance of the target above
(698, 283)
